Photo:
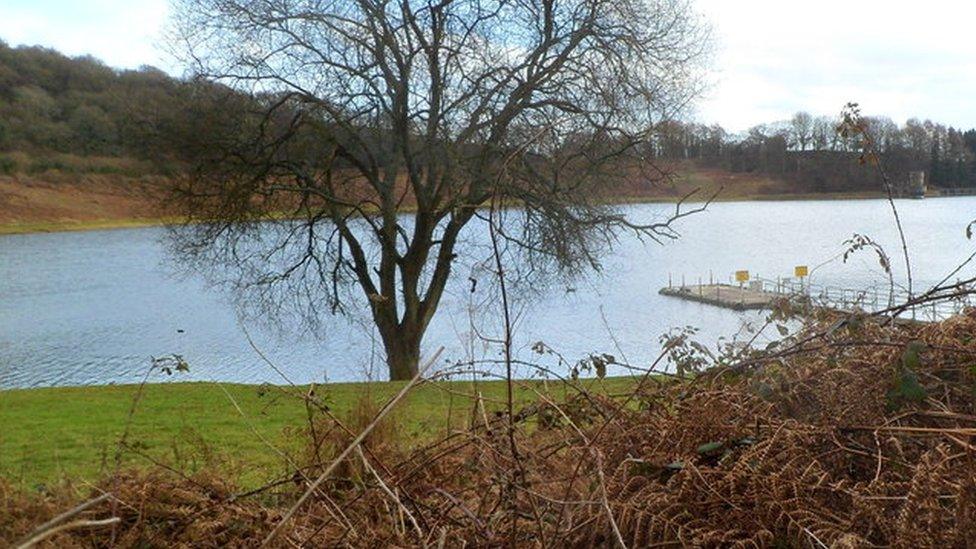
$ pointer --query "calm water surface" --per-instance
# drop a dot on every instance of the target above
(93, 307)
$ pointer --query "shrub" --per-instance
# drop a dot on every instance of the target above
(8, 166)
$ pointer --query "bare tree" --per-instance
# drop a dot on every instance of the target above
(366, 111)
(801, 130)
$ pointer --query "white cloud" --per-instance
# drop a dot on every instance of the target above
(774, 57)
(122, 33)
(899, 59)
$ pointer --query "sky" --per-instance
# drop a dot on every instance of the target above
(771, 57)
(122, 33)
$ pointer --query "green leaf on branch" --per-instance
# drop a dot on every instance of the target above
(906, 388)
(911, 359)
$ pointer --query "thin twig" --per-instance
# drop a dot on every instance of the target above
(356, 442)
(63, 517)
(386, 490)
(69, 526)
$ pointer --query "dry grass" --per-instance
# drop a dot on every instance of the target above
(864, 438)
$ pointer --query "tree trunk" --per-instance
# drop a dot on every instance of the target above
(402, 336)
(402, 346)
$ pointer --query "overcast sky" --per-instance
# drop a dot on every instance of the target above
(773, 57)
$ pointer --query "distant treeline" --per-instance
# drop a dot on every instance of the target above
(808, 152)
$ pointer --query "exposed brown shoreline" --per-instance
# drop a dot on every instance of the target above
(55, 201)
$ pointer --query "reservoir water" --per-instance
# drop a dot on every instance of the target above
(94, 307)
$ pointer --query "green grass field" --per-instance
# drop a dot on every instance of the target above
(48, 435)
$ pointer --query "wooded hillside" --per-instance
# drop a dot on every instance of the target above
(74, 127)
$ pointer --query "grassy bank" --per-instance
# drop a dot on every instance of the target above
(73, 433)
(72, 225)
(862, 439)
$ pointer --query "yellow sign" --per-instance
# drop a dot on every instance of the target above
(800, 271)
(742, 276)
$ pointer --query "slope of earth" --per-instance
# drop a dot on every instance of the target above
(57, 201)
